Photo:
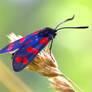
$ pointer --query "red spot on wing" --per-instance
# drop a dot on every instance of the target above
(22, 40)
(47, 42)
(36, 32)
(9, 48)
(18, 59)
(35, 51)
(11, 45)
(29, 49)
(25, 60)
(43, 40)
(28, 42)
(32, 50)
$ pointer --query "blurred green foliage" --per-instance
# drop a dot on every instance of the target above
(72, 48)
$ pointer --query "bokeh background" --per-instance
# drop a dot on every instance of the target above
(72, 48)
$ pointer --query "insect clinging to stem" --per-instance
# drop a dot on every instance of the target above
(29, 46)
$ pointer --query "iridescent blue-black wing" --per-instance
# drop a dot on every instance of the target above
(19, 43)
(27, 52)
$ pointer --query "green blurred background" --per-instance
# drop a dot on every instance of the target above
(72, 48)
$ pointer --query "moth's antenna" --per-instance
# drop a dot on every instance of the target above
(65, 21)
(81, 27)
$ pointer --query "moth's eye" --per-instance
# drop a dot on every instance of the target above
(47, 33)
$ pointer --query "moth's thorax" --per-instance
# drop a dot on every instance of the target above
(48, 32)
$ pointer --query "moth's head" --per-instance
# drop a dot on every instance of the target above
(47, 31)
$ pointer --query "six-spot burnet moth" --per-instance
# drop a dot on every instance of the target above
(29, 46)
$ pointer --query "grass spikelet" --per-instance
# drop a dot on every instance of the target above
(45, 64)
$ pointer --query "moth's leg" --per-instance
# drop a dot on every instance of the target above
(51, 49)
(51, 38)
(51, 45)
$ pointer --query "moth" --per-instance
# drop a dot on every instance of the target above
(29, 46)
